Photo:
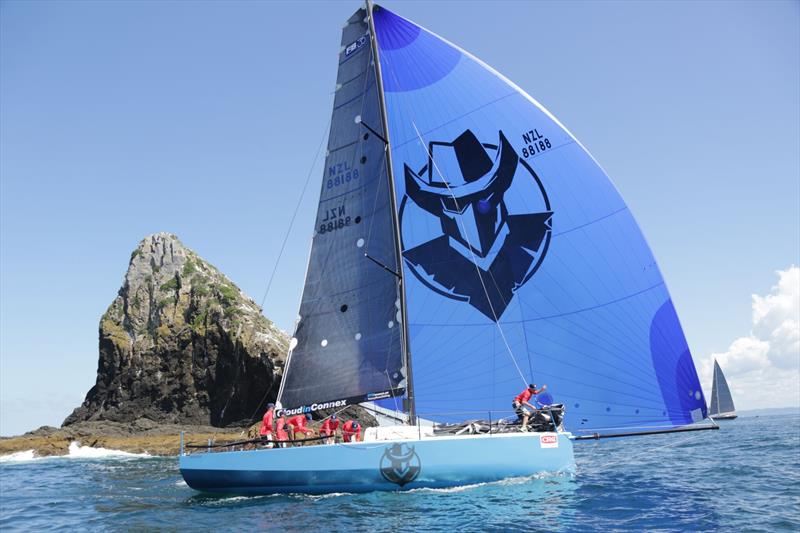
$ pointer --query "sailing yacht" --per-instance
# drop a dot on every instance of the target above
(465, 245)
(721, 403)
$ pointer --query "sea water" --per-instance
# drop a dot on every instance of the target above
(744, 477)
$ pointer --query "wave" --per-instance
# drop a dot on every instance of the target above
(76, 451)
(87, 452)
(19, 457)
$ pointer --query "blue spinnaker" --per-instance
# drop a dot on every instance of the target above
(522, 263)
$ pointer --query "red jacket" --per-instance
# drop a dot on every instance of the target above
(348, 431)
(266, 422)
(299, 423)
(280, 433)
(523, 396)
(329, 427)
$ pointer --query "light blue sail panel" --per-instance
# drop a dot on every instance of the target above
(522, 263)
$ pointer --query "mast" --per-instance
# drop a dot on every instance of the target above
(412, 414)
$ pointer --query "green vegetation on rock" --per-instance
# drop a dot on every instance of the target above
(181, 342)
(171, 285)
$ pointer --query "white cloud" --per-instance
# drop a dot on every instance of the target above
(763, 368)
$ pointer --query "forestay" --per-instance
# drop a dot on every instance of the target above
(521, 261)
(347, 341)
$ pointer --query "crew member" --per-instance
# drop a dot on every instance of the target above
(351, 431)
(522, 405)
(299, 425)
(280, 433)
(329, 428)
(266, 425)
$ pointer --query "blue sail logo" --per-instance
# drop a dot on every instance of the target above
(482, 251)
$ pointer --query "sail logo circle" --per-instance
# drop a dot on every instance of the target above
(472, 241)
(400, 464)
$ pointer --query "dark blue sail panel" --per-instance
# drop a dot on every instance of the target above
(521, 261)
(348, 337)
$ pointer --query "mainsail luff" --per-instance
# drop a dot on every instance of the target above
(405, 344)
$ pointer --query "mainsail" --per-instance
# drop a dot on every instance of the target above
(347, 344)
(721, 402)
(521, 262)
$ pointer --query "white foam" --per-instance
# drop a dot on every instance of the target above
(181, 483)
(19, 457)
(87, 452)
(506, 481)
(459, 488)
(76, 451)
(315, 497)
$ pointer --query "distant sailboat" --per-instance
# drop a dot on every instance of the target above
(721, 406)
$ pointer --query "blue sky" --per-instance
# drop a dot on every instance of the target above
(121, 119)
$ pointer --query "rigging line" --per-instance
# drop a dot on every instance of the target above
(381, 166)
(375, 202)
(375, 133)
(283, 247)
(294, 215)
(469, 246)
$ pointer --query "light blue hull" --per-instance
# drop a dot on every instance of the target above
(382, 465)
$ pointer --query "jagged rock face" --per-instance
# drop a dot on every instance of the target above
(182, 344)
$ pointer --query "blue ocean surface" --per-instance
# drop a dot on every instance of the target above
(744, 477)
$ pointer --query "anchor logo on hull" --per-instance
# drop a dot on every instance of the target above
(400, 464)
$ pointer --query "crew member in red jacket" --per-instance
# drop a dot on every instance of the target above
(299, 425)
(329, 428)
(266, 424)
(522, 405)
(351, 431)
(280, 433)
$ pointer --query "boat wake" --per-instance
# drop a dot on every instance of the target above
(316, 497)
(503, 482)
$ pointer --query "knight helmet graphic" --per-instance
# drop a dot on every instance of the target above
(464, 186)
(400, 464)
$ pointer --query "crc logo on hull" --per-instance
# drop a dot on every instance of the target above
(484, 246)
(400, 464)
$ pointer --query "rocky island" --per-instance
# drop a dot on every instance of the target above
(181, 348)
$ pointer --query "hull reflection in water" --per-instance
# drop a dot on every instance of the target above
(435, 462)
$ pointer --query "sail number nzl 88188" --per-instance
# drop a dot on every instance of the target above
(335, 218)
(535, 143)
(339, 174)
